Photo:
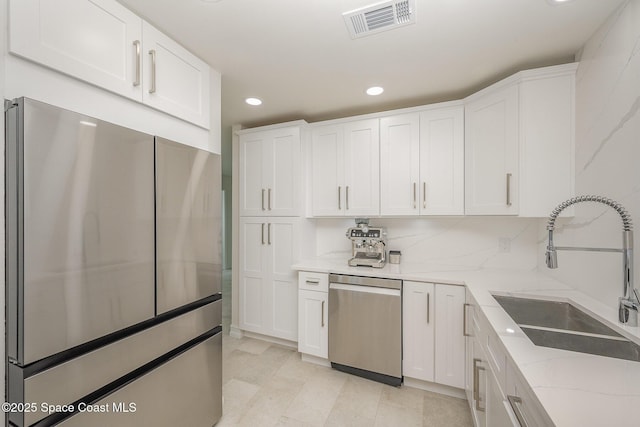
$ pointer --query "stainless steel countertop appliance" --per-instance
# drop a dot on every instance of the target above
(368, 244)
(113, 274)
(365, 327)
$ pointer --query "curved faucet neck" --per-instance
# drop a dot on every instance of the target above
(629, 303)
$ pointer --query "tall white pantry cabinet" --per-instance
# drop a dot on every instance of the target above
(270, 230)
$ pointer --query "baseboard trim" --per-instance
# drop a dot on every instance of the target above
(436, 388)
(279, 341)
(235, 332)
(315, 360)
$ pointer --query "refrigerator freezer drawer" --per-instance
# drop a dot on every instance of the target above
(72, 380)
(192, 397)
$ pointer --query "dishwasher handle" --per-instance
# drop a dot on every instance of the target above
(365, 289)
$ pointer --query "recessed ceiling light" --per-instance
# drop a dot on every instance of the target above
(557, 2)
(375, 90)
(253, 101)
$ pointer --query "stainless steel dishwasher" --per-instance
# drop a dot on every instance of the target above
(365, 327)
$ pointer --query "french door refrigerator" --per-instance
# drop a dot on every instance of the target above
(113, 274)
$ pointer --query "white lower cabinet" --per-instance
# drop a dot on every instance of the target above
(498, 395)
(268, 291)
(418, 330)
(313, 311)
(433, 340)
(477, 393)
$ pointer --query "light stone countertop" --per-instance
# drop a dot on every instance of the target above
(575, 389)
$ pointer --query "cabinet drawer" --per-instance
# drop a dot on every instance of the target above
(522, 400)
(313, 281)
(496, 357)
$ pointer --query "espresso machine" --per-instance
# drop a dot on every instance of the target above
(367, 244)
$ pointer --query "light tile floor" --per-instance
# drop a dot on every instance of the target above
(266, 384)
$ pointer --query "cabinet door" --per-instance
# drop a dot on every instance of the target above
(175, 81)
(546, 138)
(97, 41)
(281, 175)
(327, 171)
(497, 413)
(252, 191)
(400, 164)
(283, 284)
(254, 277)
(478, 368)
(418, 319)
(449, 343)
(491, 153)
(362, 167)
(313, 335)
(442, 162)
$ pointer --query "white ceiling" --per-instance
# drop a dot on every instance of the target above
(297, 56)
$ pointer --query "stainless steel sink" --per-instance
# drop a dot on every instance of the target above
(560, 325)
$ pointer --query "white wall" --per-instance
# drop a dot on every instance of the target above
(607, 156)
(468, 242)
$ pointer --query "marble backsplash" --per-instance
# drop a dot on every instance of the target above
(607, 157)
(470, 242)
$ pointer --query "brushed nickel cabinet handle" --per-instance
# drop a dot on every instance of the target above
(263, 199)
(339, 197)
(312, 282)
(414, 195)
(322, 315)
(262, 233)
(136, 76)
(428, 308)
(515, 403)
(152, 89)
(269, 234)
(269, 198)
(464, 320)
(347, 197)
(476, 383)
(509, 189)
(424, 195)
(475, 379)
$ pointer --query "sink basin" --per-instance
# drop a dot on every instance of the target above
(552, 314)
(558, 324)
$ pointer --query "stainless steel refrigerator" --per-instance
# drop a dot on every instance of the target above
(113, 274)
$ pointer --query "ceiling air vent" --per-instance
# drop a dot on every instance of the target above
(380, 17)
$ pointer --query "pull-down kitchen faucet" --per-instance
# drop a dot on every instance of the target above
(629, 303)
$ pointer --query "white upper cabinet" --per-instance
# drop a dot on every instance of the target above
(362, 168)
(519, 144)
(547, 141)
(327, 151)
(346, 169)
(98, 41)
(270, 172)
(442, 161)
(422, 163)
(400, 164)
(103, 43)
(491, 153)
(175, 81)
